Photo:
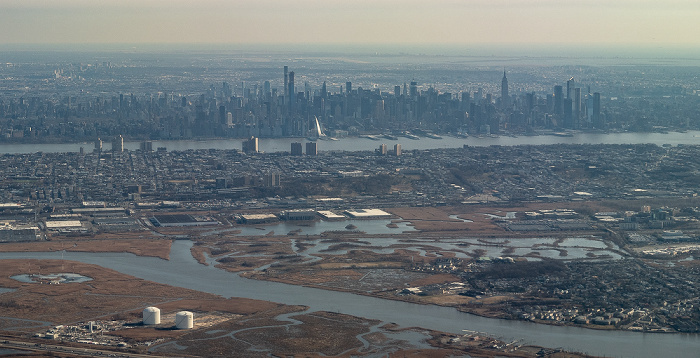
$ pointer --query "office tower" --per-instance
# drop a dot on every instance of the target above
(577, 108)
(271, 179)
(290, 92)
(382, 149)
(98, 145)
(568, 114)
(558, 100)
(222, 114)
(324, 90)
(397, 91)
(348, 87)
(118, 144)
(397, 149)
(286, 83)
(250, 145)
(505, 99)
(570, 85)
(296, 149)
(414, 89)
(226, 90)
(146, 146)
(311, 148)
(267, 92)
(596, 118)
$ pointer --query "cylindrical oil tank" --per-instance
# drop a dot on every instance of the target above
(151, 315)
(184, 320)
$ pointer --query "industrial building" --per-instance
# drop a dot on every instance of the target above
(179, 220)
(330, 216)
(10, 232)
(367, 214)
(299, 214)
(257, 218)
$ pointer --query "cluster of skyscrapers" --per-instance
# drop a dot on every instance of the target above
(338, 110)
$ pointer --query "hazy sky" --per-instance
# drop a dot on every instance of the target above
(648, 22)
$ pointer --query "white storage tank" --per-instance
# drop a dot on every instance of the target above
(151, 315)
(184, 320)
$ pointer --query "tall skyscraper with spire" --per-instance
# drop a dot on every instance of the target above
(505, 98)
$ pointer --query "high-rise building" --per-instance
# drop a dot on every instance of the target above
(271, 179)
(382, 149)
(146, 146)
(98, 145)
(597, 117)
(505, 98)
(570, 85)
(118, 144)
(414, 89)
(577, 108)
(222, 114)
(290, 92)
(558, 100)
(296, 149)
(286, 83)
(250, 145)
(568, 114)
(397, 149)
(311, 148)
(348, 87)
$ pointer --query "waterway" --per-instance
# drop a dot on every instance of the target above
(183, 271)
(271, 145)
(370, 227)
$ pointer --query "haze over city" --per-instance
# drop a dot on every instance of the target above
(628, 22)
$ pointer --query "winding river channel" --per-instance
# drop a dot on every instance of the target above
(183, 271)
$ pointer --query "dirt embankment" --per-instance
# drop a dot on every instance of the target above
(142, 247)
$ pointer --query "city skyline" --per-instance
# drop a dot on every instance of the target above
(638, 23)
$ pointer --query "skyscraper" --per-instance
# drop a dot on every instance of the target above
(311, 148)
(290, 92)
(597, 119)
(505, 99)
(296, 149)
(577, 108)
(118, 144)
(286, 83)
(558, 100)
(250, 145)
(570, 85)
(397, 149)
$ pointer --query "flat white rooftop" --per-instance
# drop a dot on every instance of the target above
(367, 213)
(327, 214)
(63, 224)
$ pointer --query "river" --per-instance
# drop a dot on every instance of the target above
(271, 145)
(183, 271)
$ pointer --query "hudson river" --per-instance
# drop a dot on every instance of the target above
(358, 144)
